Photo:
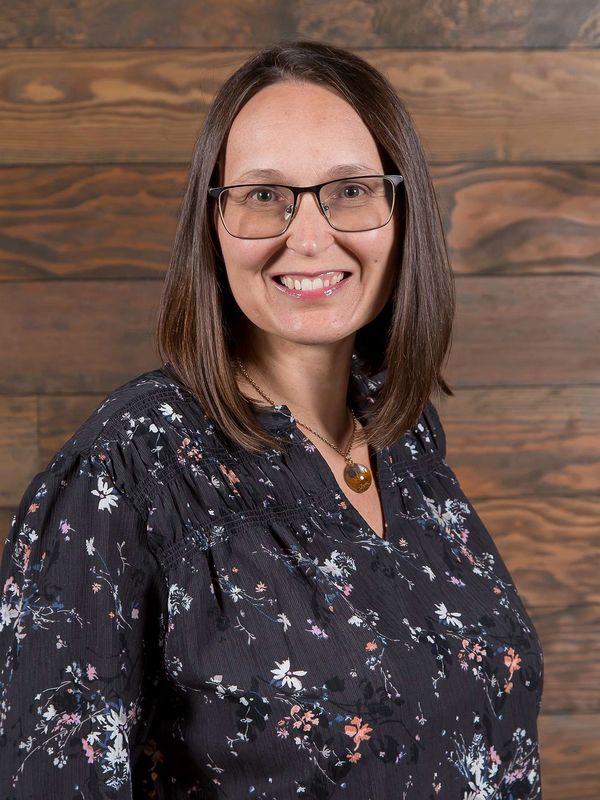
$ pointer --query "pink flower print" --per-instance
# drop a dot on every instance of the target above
(89, 751)
(65, 529)
(68, 719)
(308, 720)
(91, 673)
(512, 660)
(229, 473)
(494, 756)
(358, 731)
(33, 507)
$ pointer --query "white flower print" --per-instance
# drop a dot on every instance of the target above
(451, 617)
(167, 411)
(106, 495)
(8, 614)
(284, 621)
(286, 676)
(178, 599)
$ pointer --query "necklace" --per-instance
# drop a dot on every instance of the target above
(357, 476)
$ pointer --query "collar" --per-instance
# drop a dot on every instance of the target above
(361, 391)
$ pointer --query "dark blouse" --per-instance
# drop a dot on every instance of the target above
(183, 619)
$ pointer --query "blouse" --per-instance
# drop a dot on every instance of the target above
(182, 618)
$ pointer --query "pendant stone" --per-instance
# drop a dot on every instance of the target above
(358, 477)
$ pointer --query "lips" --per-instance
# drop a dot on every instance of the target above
(311, 293)
(311, 275)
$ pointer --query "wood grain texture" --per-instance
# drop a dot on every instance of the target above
(526, 331)
(87, 221)
(508, 331)
(521, 219)
(78, 106)
(570, 637)
(551, 547)
(537, 440)
(570, 753)
(19, 452)
(108, 222)
(77, 336)
(362, 23)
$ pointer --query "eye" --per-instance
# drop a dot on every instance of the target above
(352, 190)
(264, 195)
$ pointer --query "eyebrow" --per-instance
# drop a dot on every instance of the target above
(339, 170)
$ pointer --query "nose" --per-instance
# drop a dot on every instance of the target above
(309, 231)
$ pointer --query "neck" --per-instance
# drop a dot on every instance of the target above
(311, 380)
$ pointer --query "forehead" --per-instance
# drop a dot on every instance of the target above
(300, 130)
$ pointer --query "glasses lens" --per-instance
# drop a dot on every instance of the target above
(257, 211)
(358, 204)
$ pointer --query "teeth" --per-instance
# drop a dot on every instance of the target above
(306, 284)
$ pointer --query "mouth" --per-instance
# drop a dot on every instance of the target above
(322, 283)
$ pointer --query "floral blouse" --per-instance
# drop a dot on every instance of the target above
(181, 618)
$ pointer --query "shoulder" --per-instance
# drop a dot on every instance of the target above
(123, 433)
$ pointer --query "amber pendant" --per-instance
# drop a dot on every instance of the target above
(358, 477)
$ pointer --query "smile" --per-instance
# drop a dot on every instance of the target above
(325, 285)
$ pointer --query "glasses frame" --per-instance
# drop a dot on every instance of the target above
(217, 191)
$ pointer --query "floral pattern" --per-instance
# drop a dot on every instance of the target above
(180, 618)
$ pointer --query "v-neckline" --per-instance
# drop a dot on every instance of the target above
(334, 484)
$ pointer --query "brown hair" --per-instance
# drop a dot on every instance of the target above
(198, 316)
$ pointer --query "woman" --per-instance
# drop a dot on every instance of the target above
(251, 573)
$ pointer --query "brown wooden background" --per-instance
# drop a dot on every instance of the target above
(100, 106)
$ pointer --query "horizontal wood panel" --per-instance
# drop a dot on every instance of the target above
(147, 106)
(76, 336)
(103, 222)
(570, 754)
(505, 443)
(526, 331)
(508, 331)
(570, 638)
(551, 547)
(19, 453)
(522, 219)
(372, 23)
(88, 221)
(525, 440)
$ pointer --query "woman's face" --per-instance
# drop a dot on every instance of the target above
(303, 131)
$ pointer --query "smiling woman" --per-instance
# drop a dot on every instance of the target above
(251, 572)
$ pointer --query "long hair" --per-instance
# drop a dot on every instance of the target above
(198, 316)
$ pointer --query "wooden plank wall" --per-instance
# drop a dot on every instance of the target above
(100, 106)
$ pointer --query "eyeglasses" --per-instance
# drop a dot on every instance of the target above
(261, 211)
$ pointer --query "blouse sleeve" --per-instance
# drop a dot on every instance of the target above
(82, 607)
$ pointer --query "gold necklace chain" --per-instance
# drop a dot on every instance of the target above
(357, 476)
